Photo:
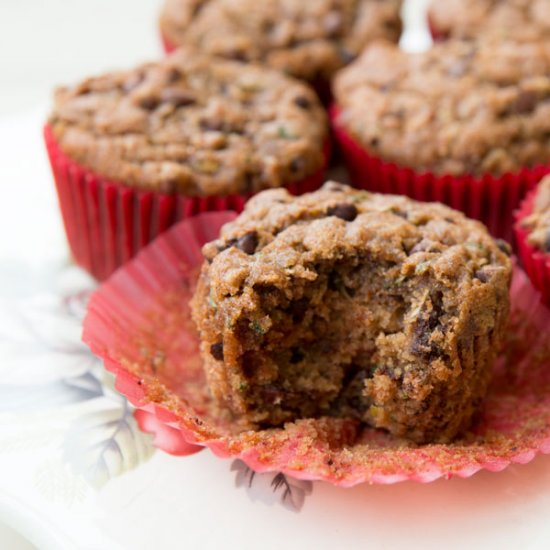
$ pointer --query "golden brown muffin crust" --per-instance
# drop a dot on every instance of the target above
(307, 39)
(194, 125)
(463, 107)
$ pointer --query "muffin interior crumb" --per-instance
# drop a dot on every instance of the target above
(338, 337)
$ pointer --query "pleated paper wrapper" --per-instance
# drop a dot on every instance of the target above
(108, 222)
(139, 322)
(490, 199)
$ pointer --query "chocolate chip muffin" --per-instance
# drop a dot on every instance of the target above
(309, 40)
(193, 125)
(538, 222)
(470, 18)
(463, 107)
(352, 304)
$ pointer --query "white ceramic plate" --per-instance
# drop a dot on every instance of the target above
(76, 473)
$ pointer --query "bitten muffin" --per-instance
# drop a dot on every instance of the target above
(538, 222)
(470, 18)
(309, 40)
(347, 303)
(193, 125)
(463, 107)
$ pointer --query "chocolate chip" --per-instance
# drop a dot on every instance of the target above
(483, 275)
(84, 89)
(174, 75)
(296, 165)
(346, 56)
(211, 124)
(353, 384)
(504, 247)
(178, 98)
(400, 213)
(422, 333)
(133, 82)
(268, 26)
(216, 350)
(302, 102)
(426, 323)
(296, 355)
(347, 212)
(392, 24)
(149, 103)
(374, 142)
(525, 103)
(237, 55)
(248, 243)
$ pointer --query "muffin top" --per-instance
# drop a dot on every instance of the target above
(467, 18)
(538, 222)
(462, 107)
(307, 39)
(193, 125)
(279, 235)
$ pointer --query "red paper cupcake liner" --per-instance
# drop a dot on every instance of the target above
(535, 262)
(139, 323)
(167, 45)
(488, 198)
(437, 35)
(107, 222)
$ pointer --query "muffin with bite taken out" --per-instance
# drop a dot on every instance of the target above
(348, 303)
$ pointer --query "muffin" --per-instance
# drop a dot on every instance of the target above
(470, 18)
(134, 151)
(309, 40)
(351, 304)
(466, 123)
(533, 237)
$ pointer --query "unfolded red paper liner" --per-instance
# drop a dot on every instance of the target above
(488, 198)
(139, 323)
(535, 262)
(107, 222)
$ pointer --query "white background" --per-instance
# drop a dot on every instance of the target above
(44, 42)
